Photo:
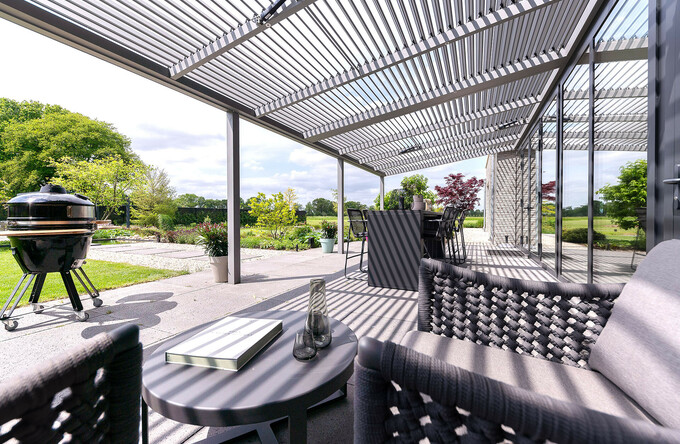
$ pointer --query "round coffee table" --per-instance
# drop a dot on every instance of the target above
(271, 386)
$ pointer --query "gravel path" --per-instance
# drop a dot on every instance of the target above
(167, 256)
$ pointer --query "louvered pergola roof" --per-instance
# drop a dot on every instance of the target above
(389, 86)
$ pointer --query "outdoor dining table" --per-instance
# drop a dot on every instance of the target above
(271, 386)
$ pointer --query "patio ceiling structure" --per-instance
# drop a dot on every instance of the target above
(386, 86)
(389, 87)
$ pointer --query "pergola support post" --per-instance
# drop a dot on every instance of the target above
(234, 198)
(382, 193)
(341, 206)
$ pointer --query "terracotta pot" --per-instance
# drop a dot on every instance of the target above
(220, 268)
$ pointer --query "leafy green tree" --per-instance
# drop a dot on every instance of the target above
(12, 111)
(355, 205)
(274, 213)
(189, 200)
(629, 193)
(291, 197)
(106, 181)
(33, 135)
(334, 192)
(410, 186)
(154, 195)
(320, 207)
(215, 203)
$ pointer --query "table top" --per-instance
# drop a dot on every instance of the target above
(269, 386)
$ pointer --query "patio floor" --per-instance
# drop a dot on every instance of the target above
(164, 308)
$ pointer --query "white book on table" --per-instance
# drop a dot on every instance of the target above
(227, 344)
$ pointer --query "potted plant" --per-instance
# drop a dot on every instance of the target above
(215, 241)
(328, 232)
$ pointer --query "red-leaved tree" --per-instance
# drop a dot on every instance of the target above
(458, 192)
(548, 191)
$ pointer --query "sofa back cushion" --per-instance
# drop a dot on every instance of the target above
(639, 347)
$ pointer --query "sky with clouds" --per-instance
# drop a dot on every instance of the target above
(180, 134)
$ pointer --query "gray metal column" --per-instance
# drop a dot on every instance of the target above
(234, 197)
(591, 160)
(560, 179)
(382, 193)
(341, 206)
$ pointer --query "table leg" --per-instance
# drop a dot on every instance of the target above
(145, 423)
(297, 427)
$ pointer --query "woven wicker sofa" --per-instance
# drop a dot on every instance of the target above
(499, 359)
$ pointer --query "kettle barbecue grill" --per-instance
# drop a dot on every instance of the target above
(50, 231)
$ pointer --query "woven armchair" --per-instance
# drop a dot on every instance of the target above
(551, 320)
(89, 394)
(504, 360)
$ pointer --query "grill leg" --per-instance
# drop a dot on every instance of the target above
(35, 293)
(94, 290)
(93, 293)
(12, 324)
(73, 295)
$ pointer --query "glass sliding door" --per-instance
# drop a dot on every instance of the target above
(620, 167)
(575, 177)
(534, 211)
(549, 186)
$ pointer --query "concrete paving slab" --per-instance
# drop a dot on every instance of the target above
(185, 254)
(151, 251)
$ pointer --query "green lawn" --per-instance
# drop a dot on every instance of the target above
(616, 237)
(104, 276)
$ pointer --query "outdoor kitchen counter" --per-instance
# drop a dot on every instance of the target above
(396, 243)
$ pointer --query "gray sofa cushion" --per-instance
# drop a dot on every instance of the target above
(639, 347)
(563, 382)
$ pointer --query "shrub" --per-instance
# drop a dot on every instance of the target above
(214, 238)
(112, 233)
(329, 229)
(183, 236)
(580, 236)
(149, 220)
(165, 222)
(274, 214)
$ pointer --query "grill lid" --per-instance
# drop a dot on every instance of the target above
(51, 206)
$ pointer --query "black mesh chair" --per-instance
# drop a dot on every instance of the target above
(358, 227)
(443, 234)
(459, 237)
(91, 393)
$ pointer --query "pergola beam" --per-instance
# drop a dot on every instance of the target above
(451, 148)
(458, 120)
(461, 31)
(232, 39)
(613, 93)
(615, 135)
(599, 146)
(614, 118)
(462, 139)
(431, 163)
(501, 76)
(618, 51)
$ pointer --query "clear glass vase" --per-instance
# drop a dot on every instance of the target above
(318, 322)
